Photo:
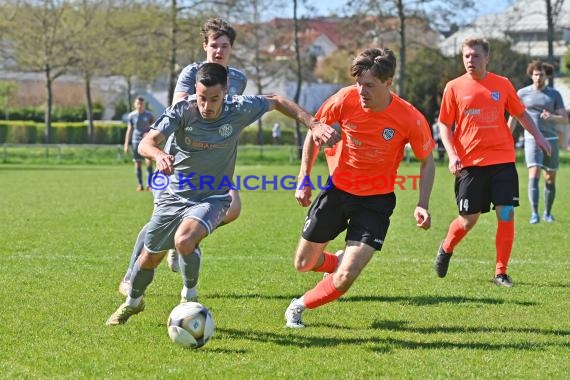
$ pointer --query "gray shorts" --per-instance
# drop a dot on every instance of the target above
(534, 156)
(169, 213)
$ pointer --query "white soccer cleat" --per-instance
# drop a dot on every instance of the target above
(172, 260)
(293, 315)
(340, 255)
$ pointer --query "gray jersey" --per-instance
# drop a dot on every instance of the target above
(205, 151)
(141, 123)
(237, 80)
(537, 100)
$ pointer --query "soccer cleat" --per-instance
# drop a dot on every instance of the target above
(534, 218)
(442, 261)
(125, 287)
(172, 260)
(293, 315)
(548, 218)
(340, 255)
(123, 313)
(503, 280)
(139, 188)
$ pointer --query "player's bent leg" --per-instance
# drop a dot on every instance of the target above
(125, 284)
(143, 274)
(309, 255)
(356, 256)
(187, 237)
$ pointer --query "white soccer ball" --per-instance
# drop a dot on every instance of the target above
(190, 325)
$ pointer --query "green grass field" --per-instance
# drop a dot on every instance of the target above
(67, 233)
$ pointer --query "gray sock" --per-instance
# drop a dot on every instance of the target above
(549, 194)
(140, 280)
(533, 194)
(190, 268)
(137, 249)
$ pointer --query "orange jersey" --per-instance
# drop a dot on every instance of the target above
(477, 109)
(372, 147)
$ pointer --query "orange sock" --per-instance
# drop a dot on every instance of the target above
(329, 264)
(321, 294)
(504, 244)
(455, 233)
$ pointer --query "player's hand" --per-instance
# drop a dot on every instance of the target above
(324, 134)
(126, 148)
(543, 144)
(455, 164)
(164, 163)
(303, 195)
(423, 218)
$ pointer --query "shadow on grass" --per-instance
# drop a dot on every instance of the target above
(413, 301)
(403, 326)
(379, 344)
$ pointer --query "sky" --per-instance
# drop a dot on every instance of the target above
(325, 7)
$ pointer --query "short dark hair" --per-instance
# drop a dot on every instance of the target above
(534, 65)
(472, 42)
(211, 74)
(217, 27)
(380, 62)
(140, 99)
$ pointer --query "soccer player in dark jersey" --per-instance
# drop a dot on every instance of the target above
(205, 129)
(218, 41)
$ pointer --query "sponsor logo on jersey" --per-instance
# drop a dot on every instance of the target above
(226, 130)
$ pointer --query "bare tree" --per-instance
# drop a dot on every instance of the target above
(437, 12)
(257, 50)
(37, 38)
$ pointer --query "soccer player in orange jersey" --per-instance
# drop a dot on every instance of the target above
(482, 154)
(375, 125)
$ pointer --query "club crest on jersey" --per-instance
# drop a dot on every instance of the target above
(495, 95)
(226, 130)
(388, 133)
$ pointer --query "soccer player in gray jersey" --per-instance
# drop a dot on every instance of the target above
(138, 124)
(199, 163)
(546, 108)
(218, 41)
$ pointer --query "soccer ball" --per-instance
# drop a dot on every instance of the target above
(190, 325)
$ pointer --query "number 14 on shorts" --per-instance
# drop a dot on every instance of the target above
(463, 205)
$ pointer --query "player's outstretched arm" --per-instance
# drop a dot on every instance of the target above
(322, 133)
(427, 175)
(310, 152)
(150, 148)
(455, 164)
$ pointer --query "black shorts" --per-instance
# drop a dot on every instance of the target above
(477, 187)
(366, 218)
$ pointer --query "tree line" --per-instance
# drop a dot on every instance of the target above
(141, 40)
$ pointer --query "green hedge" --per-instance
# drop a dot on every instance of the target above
(29, 132)
(59, 114)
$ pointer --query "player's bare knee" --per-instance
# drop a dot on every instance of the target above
(149, 261)
(302, 264)
(343, 280)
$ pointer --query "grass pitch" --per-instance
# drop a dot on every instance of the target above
(67, 233)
